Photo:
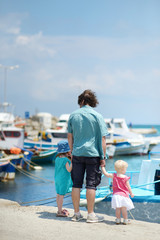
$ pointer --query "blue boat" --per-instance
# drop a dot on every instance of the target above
(8, 166)
(39, 144)
(38, 156)
(145, 186)
(47, 156)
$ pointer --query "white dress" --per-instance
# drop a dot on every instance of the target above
(119, 201)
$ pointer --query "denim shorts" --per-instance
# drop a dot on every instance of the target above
(82, 165)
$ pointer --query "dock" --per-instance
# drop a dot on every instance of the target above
(40, 223)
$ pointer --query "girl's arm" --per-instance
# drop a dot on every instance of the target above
(69, 167)
(109, 175)
(129, 188)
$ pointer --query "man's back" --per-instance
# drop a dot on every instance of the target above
(87, 127)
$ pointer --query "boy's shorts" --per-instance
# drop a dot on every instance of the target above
(82, 165)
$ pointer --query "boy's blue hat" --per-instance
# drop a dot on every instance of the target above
(63, 146)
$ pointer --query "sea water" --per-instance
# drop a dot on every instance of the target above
(28, 191)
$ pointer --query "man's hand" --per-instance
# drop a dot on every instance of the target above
(102, 163)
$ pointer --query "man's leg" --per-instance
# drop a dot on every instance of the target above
(76, 198)
(90, 195)
(77, 174)
(92, 167)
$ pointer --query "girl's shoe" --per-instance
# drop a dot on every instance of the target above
(118, 221)
(65, 211)
(126, 221)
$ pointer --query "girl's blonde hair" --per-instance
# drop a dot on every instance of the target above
(120, 165)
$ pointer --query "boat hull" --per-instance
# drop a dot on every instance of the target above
(44, 157)
(7, 169)
(129, 149)
(144, 210)
(39, 145)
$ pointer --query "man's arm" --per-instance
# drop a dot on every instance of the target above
(103, 162)
(104, 146)
(70, 141)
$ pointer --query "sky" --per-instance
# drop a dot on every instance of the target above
(63, 47)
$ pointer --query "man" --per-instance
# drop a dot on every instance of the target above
(87, 141)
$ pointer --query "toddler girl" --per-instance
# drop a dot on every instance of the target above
(63, 182)
(121, 190)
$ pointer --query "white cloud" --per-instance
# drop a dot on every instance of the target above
(156, 72)
(54, 67)
(22, 40)
(11, 23)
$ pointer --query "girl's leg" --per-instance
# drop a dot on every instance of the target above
(124, 212)
(60, 202)
(118, 213)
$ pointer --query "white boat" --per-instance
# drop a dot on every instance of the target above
(119, 132)
(61, 129)
(144, 130)
(145, 186)
(130, 143)
(127, 148)
(7, 165)
(63, 121)
(10, 136)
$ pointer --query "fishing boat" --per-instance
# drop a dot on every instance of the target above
(29, 144)
(144, 131)
(47, 156)
(145, 186)
(8, 165)
(10, 136)
(119, 141)
(49, 138)
(127, 148)
(3, 168)
(120, 132)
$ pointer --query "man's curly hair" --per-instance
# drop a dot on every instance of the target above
(88, 97)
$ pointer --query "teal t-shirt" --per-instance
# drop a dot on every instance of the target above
(88, 128)
(62, 177)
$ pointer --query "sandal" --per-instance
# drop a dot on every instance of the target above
(61, 214)
(65, 211)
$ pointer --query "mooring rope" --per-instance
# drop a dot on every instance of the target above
(31, 164)
(41, 200)
(131, 215)
(30, 174)
(142, 185)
